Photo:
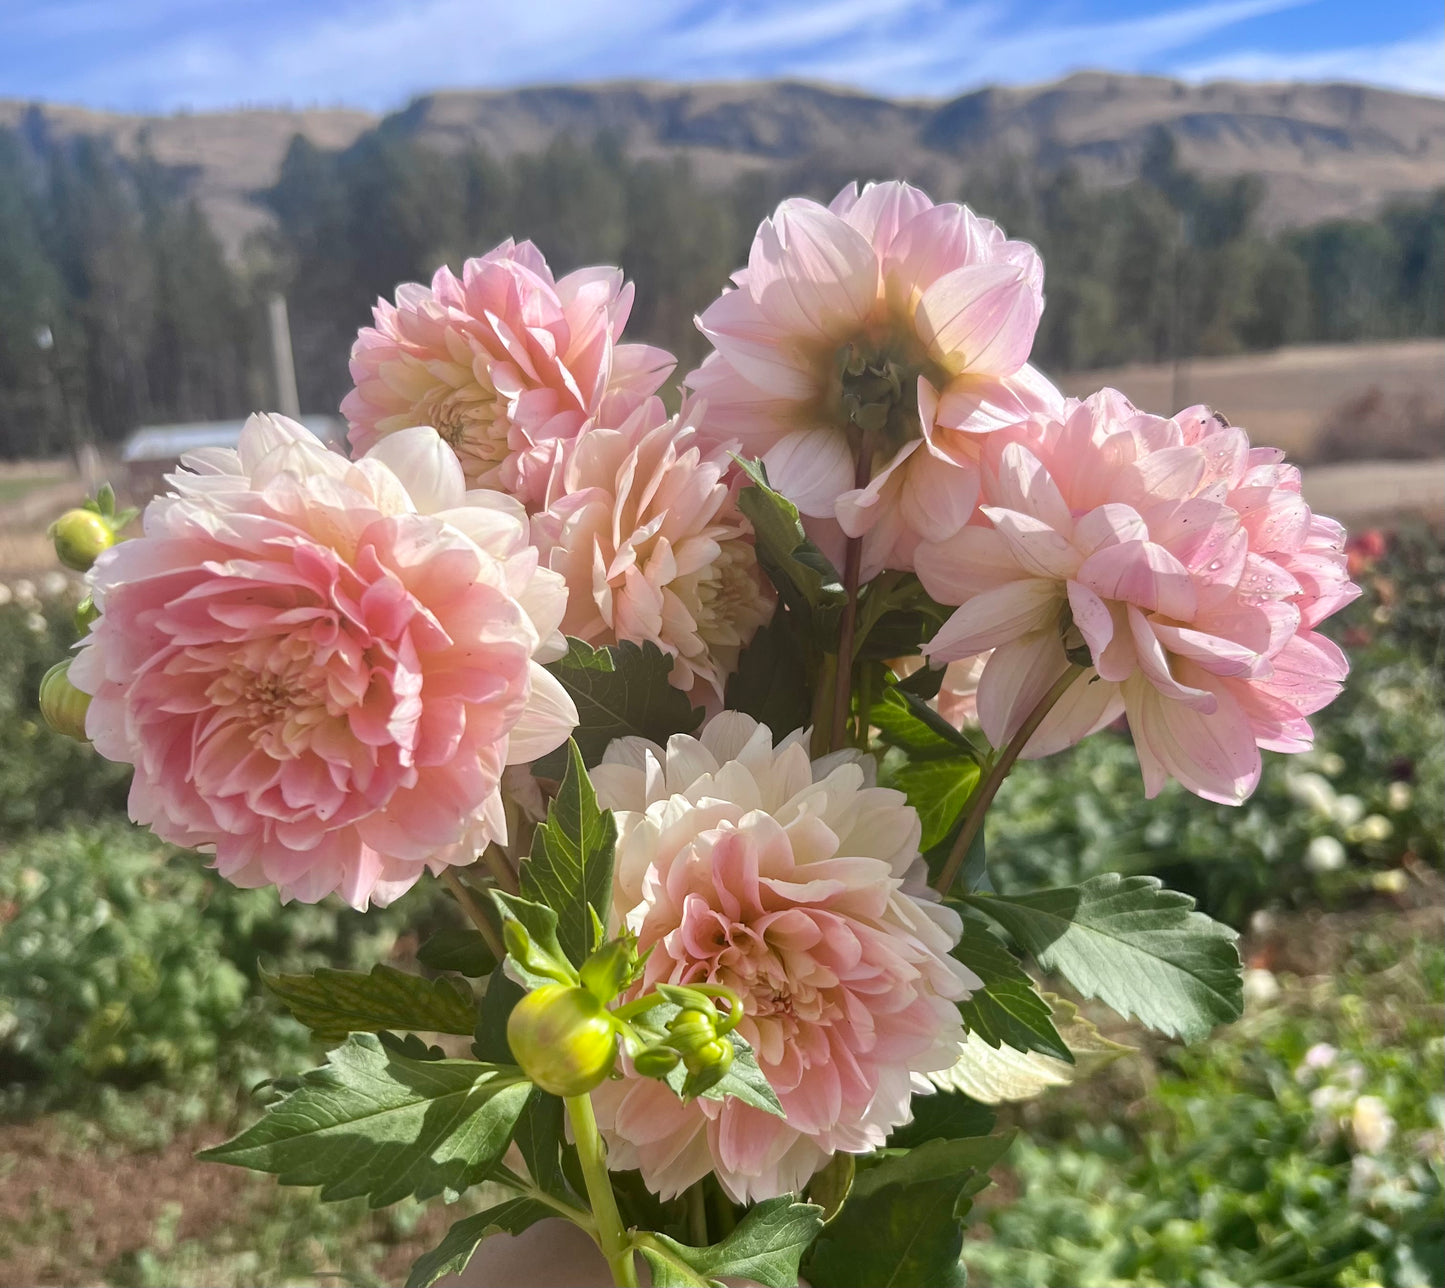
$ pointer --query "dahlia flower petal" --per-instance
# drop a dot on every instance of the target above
(1014, 682)
(812, 468)
(982, 317)
(425, 467)
(996, 617)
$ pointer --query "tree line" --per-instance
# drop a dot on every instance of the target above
(118, 305)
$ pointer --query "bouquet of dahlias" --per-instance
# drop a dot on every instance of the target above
(698, 715)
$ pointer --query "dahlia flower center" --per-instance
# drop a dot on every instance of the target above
(729, 607)
(472, 419)
(873, 389)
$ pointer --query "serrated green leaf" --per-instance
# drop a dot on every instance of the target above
(570, 869)
(1008, 1008)
(771, 682)
(896, 616)
(451, 1255)
(939, 790)
(944, 1115)
(902, 1226)
(377, 1124)
(804, 578)
(620, 691)
(1137, 947)
(333, 1003)
(460, 949)
(765, 1247)
(541, 1140)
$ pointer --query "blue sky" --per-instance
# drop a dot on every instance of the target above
(162, 55)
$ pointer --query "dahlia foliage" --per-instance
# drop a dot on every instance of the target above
(695, 699)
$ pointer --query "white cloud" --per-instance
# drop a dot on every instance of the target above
(171, 54)
(1417, 65)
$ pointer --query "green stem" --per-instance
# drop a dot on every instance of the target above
(592, 1154)
(530, 1189)
(501, 869)
(983, 798)
(823, 707)
(697, 1215)
(474, 912)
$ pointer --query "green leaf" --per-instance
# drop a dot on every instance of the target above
(541, 1138)
(1137, 947)
(1008, 1008)
(771, 682)
(765, 1247)
(902, 1226)
(939, 790)
(620, 691)
(375, 1123)
(462, 950)
(333, 1003)
(503, 993)
(896, 616)
(906, 721)
(451, 1255)
(943, 1116)
(570, 868)
(804, 578)
(744, 1080)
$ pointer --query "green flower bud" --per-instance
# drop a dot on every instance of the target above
(610, 969)
(655, 1062)
(706, 1066)
(62, 704)
(80, 536)
(563, 1038)
(689, 1030)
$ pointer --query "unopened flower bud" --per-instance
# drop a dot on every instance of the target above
(80, 537)
(609, 970)
(655, 1062)
(563, 1039)
(706, 1066)
(62, 704)
(690, 1030)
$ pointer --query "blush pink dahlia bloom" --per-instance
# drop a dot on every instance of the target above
(320, 669)
(1181, 562)
(643, 524)
(867, 346)
(799, 885)
(503, 363)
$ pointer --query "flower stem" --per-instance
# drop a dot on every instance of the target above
(474, 912)
(983, 798)
(591, 1153)
(697, 1215)
(501, 869)
(852, 569)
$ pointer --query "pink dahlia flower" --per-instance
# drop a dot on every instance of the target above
(867, 346)
(643, 524)
(320, 669)
(1181, 562)
(503, 363)
(799, 886)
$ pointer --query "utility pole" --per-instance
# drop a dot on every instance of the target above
(282, 362)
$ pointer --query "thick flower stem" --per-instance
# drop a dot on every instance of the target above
(983, 798)
(475, 912)
(591, 1153)
(501, 869)
(852, 570)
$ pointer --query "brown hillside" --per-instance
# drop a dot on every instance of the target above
(1323, 150)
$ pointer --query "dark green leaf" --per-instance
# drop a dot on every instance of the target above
(1008, 1008)
(333, 1003)
(902, 1226)
(620, 691)
(771, 682)
(945, 1115)
(451, 1255)
(503, 993)
(462, 950)
(375, 1123)
(803, 576)
(541, 1139)
(1134, 945)
(571, 863)
(896, 616)
(765, 1247)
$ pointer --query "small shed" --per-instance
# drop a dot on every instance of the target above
(153, 451)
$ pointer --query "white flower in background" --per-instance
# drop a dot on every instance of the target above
(1325, 854)
(1371, 1126)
